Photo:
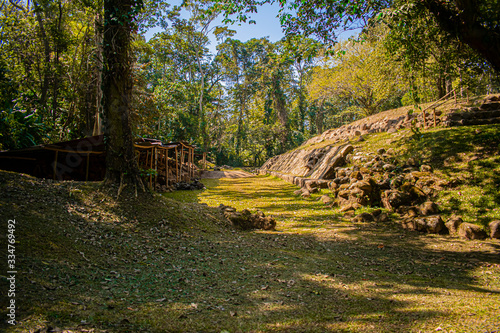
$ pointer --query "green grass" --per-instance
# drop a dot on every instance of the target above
(167, 263)
(169, 266)
(466, 157)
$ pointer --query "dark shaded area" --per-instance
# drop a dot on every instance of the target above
(82, 159)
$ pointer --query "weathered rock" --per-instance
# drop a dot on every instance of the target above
(409, 211)
(453, 223)
(245, 220)
(376, 213)
(494, 229)
(389, 167)
(346, 150)
(344, 194)
(312, 186)
(332, 186)
(359, 196)
(430, 224)
(305, 194)
(396, 182)
(392, 199)
(326, 199)
(344, 186)
(336, 162)
(341, 172)
(415, 192)
(425, 168)
(349, 206)
(471, 231)
(412, 162)
(428, 208)
(356, 175)
(297, 192)
(363, 185)
(382, 217)
(384, 184)
(434, 224)
(364, 171)
(363, 217)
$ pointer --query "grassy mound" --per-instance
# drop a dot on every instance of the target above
(467, 158)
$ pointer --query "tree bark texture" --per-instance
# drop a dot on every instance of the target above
(121, 165)
(463, 20)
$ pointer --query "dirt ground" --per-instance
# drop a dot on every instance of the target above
(225, 174)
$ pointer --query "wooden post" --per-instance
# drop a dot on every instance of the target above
(88, 163)
(192, 162)
(204, 160)
(156, 165)
(176, 166)
(434, 113)
(55, 164)
(151, 168)
(190, 165)
(166, 166)
(182, 159)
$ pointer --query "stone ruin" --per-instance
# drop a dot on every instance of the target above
(487, 113)
(380, 180)
(245, 220)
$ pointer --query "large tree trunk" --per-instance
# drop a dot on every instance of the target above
(98, 34)
(462, 21)
(121, 165)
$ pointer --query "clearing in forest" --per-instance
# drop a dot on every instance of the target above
(168, 263)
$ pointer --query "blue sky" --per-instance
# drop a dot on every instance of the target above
(267, 25)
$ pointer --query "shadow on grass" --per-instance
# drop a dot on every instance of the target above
(142, 278)
(444, 148)
(468, 156)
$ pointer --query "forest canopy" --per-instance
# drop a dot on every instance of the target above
(251, 99)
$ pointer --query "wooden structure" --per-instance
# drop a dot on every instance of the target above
(85, 160)
(166, 163)
(82, 159)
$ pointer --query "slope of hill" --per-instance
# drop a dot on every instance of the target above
(449, 157)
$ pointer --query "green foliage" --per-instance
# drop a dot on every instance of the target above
(361, 74)
(20, 129)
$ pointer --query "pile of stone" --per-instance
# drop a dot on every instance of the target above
(185, 186)
(464, 230)
(245, 220)
(404, 187)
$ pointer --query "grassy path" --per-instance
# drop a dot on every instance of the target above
(319, 273)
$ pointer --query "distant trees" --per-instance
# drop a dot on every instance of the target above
(361, 74)
(64, 65)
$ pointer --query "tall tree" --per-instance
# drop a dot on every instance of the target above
(475, 22)
(121, 164)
